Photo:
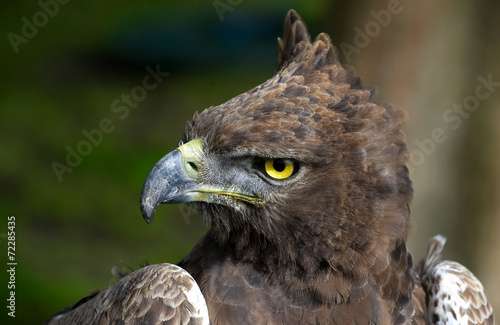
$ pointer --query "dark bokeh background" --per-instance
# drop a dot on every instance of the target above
(66, 77)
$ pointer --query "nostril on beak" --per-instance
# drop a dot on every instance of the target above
(193, 166)
(192, 169)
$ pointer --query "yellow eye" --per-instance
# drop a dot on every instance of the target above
(279, 168)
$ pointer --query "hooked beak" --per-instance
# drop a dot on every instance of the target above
(172, 179)
(176, 179)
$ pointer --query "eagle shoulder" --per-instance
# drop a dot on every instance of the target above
(454, 294)
(155, 294)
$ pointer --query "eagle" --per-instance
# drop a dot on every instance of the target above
(303, 182)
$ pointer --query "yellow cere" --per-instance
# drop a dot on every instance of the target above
(279, 168)
(192, 153)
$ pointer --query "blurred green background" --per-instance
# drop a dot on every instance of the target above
(64, 77)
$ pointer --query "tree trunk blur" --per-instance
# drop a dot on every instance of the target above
(438, 61)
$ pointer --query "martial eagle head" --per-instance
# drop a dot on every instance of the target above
(306, 165)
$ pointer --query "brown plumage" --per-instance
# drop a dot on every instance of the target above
(329, 245)
(155, 294)
(303, 179)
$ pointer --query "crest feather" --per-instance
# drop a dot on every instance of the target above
(296, 44)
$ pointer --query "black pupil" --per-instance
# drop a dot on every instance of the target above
(279, 165)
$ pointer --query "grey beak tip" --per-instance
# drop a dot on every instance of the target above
(148, 211)
(166, 183)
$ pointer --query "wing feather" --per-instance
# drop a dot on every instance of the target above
(455, 295)
(155, 294)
